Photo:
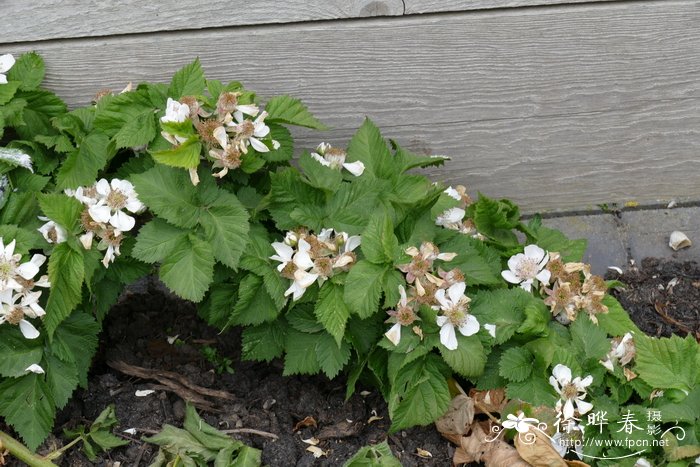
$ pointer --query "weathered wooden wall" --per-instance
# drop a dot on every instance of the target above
(556, 104)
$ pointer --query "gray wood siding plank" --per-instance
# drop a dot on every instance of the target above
(560, 108)
(434, 6)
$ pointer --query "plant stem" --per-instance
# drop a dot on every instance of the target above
(20, 451)
(58, 452)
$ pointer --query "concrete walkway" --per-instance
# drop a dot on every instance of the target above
(616, 238)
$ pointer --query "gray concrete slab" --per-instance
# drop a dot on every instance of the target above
(648, 232)
(607, 242)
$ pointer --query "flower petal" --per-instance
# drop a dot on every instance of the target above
(28, 329)
(100, 213)
(321, 160)
(356, 168)
(34, 368)
(7, 61)
(440, 297)
(543, 276)
(471, 326)
(491, 329)
(510, 277)
(258, 145)
(122, 221)
(568, 411)
(583, 406)
(562, 373)
(448, 338)
(352, 242)
(534, 252)
(394, 334)
(456, 291)
(27, 270)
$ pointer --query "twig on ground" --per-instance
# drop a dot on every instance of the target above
(250, 431)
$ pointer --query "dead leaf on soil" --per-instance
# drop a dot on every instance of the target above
(316, 451)
(476, 448)
(541, 453)
(307, 422)
(342, 429)
(423, 453)
(491, 401)
(312, 441)
(458, 417)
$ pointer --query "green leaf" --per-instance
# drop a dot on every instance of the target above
(589, 339)
(515, 364)
(254, 305)
(668, 362)
(299, 358)
(290, 110)
(169, 193)
(379, 455)
(188, 81)
(468, 359)
(182, 442)
(156, 240)
(113, 113)
(554, 240)
(7, 91)
(75, 341)
(256, 259)
(15, 158)
(26, 239)
(480, 263)
(62, 209)
(616, 321)
(318, 175)
(206, 434)
(331, 356)
(379, 243)
(216, 309)
(368, 146)
(420, 394)
(17, 352)
(28, 406)
(331, 310)
(363, 288)
(534, 390)
(503, 307)
(185, 155)
(28, 70)
(225, 223)
(82, 166)
(189, 269)
(62, 378)
(137, 132)
(246, 457)
(264, 342)
(286, 150)
(496, 219)
(66, 273)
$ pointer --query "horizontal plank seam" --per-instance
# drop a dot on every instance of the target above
(412, 16)
(615, 212)
(637, 104)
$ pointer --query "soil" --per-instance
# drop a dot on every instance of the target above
(662, 297)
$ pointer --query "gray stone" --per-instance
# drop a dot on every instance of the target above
(607, 244)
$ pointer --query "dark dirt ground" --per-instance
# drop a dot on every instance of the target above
(265, 400)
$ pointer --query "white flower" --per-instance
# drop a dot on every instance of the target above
(455, 314)
(334, 158)
(10, 268)
(451, 218)
(404, 315)
(347, 256)
(491, 329)
(642, 462)
(249, 132)
(7, 61)
(452, 193)
(15, 313)
(34, 368)
(285, 254)
(622, 350)
(571, 391)
(524, 268)
(52, 232)
(295, 265)
(115, 196)
(569, 440)
(175, 112)
(519, 422)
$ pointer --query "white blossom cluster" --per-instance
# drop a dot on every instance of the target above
(456, 218)
(7, 61)
(229, 131)
(18, 298)
(442, 290)
(104, 217)
(334, 158)
(306, 258)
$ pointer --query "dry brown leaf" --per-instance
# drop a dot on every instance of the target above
(458, 417)
(491, 401)
(541, 453)
(316, 451)
(308, 421)
(342, 429)
(312, 441)
(476, 448)
(423, 453)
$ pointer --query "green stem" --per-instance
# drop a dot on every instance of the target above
(59, 452)
(19, 451)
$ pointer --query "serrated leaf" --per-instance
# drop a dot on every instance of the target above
(264, 342)
(256, 258)
(7, 91)
(503, 307)
(225, 223)
(286, 150)
(515, 364)
(188, 81)
(379, 243)
(82, 166)
(480, 263)
(331, 310)
(181, 441)
(185, 155)
(588, 338)
(254, 305)
(363, 288)
(299, 359)
(169, 193)
(28, 70)
(216, 309)
(496, 219)
(16, 158)
(189, 269)
(468, 359)
(420, 393)
(667, 363)
(62, 209)
(537, 316)
(616, 321)
(156, 240)
(62, 378)
(113, 113)
(75, 341)
(206, 434)
(17, 352)
(379, 455)
(554, 240)
(28, 406)
(66, 274)
(246, 457)
(318, 175)
(137, 132)
(408, 160)
(331, 356)
(534, 390)
(368, 146)
(290, 110)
